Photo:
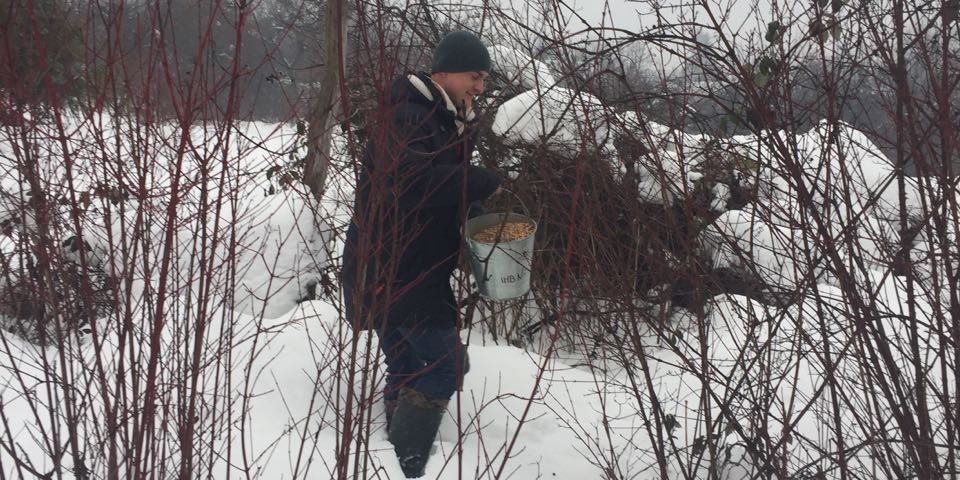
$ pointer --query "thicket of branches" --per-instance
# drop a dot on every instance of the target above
(119, 118)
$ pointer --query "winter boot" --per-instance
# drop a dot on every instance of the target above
(413, 428)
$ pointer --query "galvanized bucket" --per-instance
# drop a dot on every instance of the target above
(502, 269)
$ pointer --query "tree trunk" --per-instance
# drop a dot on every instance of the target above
(322, 117)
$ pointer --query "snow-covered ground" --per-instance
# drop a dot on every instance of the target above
(273, 378)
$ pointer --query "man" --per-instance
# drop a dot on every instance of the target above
(413, 191)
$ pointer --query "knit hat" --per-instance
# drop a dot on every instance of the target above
(461, 51)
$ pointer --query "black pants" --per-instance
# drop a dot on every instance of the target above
(427, 359)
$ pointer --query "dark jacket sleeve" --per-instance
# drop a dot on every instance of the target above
(423, 182)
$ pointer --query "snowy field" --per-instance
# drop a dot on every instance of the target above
(216, 263)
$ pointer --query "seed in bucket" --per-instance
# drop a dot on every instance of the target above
(508, 232)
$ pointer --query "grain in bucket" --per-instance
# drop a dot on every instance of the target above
(501, 252)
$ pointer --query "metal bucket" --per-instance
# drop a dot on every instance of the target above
(502, 270)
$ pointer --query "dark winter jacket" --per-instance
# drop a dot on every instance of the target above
(412, 193)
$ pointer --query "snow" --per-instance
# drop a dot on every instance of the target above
(278, 393)
(520, 69)
(564, 118)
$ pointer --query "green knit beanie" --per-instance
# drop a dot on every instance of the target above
(461, 51)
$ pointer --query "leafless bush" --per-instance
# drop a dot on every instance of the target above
(817, 341)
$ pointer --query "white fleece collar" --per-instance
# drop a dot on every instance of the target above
(421, 87)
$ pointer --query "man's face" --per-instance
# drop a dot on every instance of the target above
(462, 87)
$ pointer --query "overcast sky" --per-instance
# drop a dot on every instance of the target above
(743, 17)
(743, 21)
(633, 15)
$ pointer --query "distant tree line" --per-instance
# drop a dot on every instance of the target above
(61, 51)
